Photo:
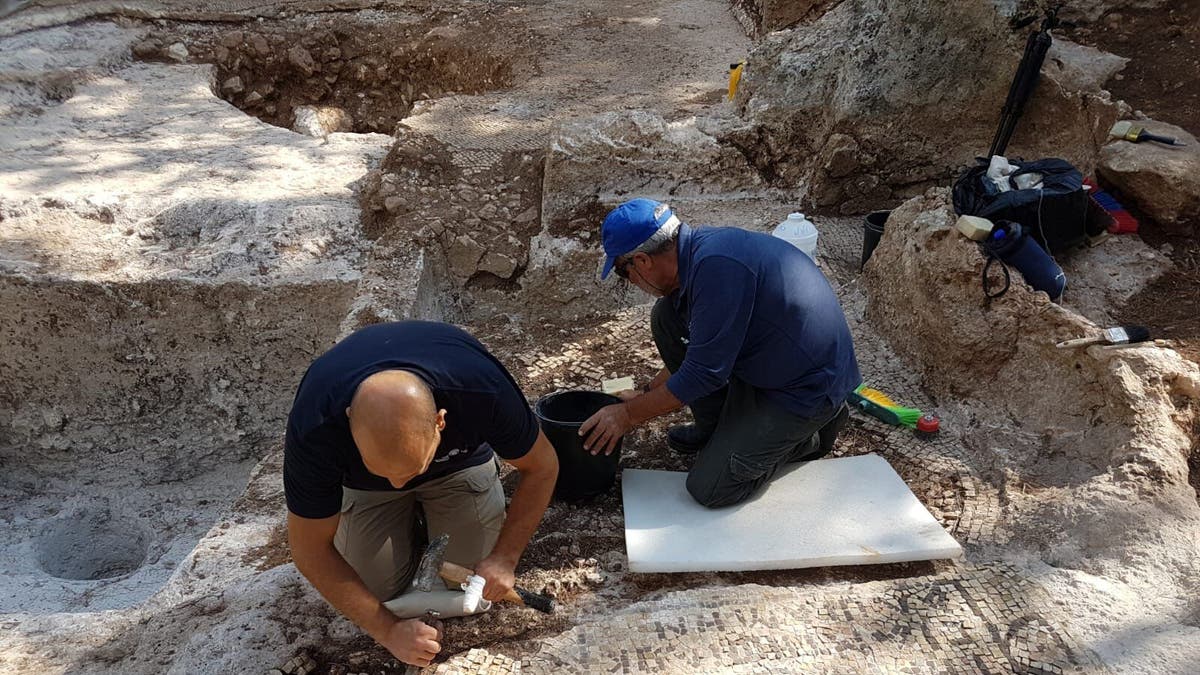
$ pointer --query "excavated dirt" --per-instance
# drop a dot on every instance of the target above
(1170, 305)
(1163, 76)
(271, 69)
(1162, 80)
(577, 555)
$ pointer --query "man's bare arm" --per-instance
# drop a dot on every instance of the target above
(311, 541)
(539, 471)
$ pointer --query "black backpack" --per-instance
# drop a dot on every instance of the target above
(1055, 215)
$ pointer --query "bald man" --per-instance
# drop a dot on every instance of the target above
(399, 423)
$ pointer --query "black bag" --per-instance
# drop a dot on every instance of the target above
(1055, 215)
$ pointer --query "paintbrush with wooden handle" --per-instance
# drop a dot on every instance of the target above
(1120, 335)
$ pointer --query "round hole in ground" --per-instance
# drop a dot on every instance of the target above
(92, 544)
(354, 76)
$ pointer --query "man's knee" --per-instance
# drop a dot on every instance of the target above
(715, 494)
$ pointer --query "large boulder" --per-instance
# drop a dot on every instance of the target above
(1163, 181)
(878, 100)
(1082, 67)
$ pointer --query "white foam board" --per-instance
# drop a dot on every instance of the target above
(844, 511)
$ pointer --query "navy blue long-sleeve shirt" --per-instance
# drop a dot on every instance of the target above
(760, 310)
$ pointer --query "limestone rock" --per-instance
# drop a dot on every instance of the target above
(177, 52)
(463, 255)
(299, 665)
(763, 16)
(527, 216)
(499, 264)
(1163, 181)
(839, 157)
(1093, 10)
(300, 57)
(393, 204)
(146, 48)
(610, 154)
(1112, 423)
(233, 85)
(1082, 67)
(595, 163)
(320, 121)
(260, 45)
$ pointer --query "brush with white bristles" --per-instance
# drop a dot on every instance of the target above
(1120, 335)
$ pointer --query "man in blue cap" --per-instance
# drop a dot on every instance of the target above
(754, 342)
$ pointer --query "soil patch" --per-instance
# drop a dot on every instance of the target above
(1162, 80)
(1170, 305)
(1163, 75)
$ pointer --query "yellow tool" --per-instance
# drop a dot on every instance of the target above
(735, 76)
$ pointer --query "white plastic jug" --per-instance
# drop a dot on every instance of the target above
(799, 232)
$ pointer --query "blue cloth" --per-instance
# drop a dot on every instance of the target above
(485, 410)
(629, 226)
(760, 310)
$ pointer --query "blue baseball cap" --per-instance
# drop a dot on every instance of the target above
(629, 226)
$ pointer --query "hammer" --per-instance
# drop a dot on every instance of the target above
(433, 565)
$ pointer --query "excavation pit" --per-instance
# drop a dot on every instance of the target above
(338, 71)
(169, 266)
(177, 405)
(92, 545)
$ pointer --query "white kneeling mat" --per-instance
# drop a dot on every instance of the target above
(845, 511)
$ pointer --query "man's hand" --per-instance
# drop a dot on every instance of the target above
(605, 428)
(500, 577)
(412, 641)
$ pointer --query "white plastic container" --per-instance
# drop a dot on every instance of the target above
(799, 232)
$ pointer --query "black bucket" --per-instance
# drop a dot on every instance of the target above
(581, 475)
(872, 232)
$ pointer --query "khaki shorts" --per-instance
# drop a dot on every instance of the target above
(378, 537)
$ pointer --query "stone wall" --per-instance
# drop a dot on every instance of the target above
(163, 380)
(599, 162)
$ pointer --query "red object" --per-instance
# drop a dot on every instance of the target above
(928, 424)
(1124, 222)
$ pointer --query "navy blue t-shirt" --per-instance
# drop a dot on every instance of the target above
(485, 411)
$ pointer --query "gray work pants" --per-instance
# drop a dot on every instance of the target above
(752, 437)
